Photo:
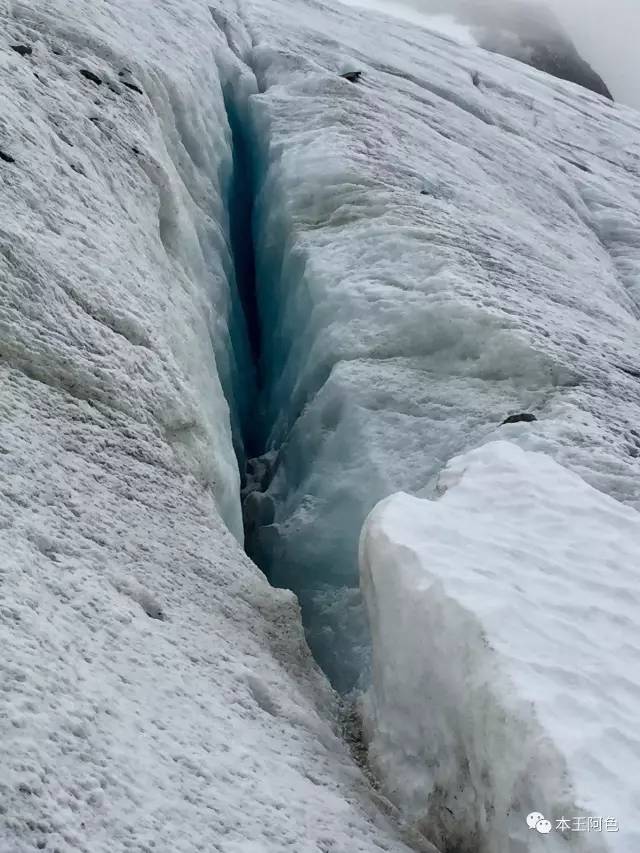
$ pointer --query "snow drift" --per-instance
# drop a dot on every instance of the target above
(506, 656)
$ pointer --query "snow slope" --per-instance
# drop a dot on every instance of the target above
(450, 241)
(506, 655)
(155, 692)
(442, 22)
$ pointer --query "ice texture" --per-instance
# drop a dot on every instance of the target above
(115, 259)
(506, 656)
(156, 694)
(449, 241)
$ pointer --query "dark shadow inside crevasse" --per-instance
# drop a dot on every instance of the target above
(241, 197)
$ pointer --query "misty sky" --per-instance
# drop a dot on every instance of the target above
(607, 33)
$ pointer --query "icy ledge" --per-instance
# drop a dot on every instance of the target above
(506, 656)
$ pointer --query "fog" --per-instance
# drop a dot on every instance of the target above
(607, 33)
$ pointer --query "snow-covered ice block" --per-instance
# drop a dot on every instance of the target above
(506, 656)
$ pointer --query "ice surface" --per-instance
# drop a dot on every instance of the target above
(449, 241)
(155, 692)
(442, 23)
(114, 249)
(528, 30)
(506, 655)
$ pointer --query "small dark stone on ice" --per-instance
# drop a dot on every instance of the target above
(22, 49)
(7, 158)
(352, 76)
(525, 417)
(154, 614)
(89, 75)
(132, 86)
(135, 149)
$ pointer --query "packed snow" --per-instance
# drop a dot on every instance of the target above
(114, 243)
(506, 656)
(156, 694)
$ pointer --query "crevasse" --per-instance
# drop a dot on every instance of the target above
(274, 302)
(401, 320)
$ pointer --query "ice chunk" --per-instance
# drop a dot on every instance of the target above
(506, 655)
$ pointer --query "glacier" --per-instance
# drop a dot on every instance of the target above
(156, 693)
(473, 255)
(522, 583)
(230, 276)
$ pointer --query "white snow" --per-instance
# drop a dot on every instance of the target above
(155, 693)
(506, 655)
(116, 262)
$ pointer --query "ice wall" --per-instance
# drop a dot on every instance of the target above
(505, 657)
(449, 241)
(116, 243)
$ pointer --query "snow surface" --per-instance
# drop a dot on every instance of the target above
(155, 692)
(443, 24)
(506, 654)
(452, 240)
